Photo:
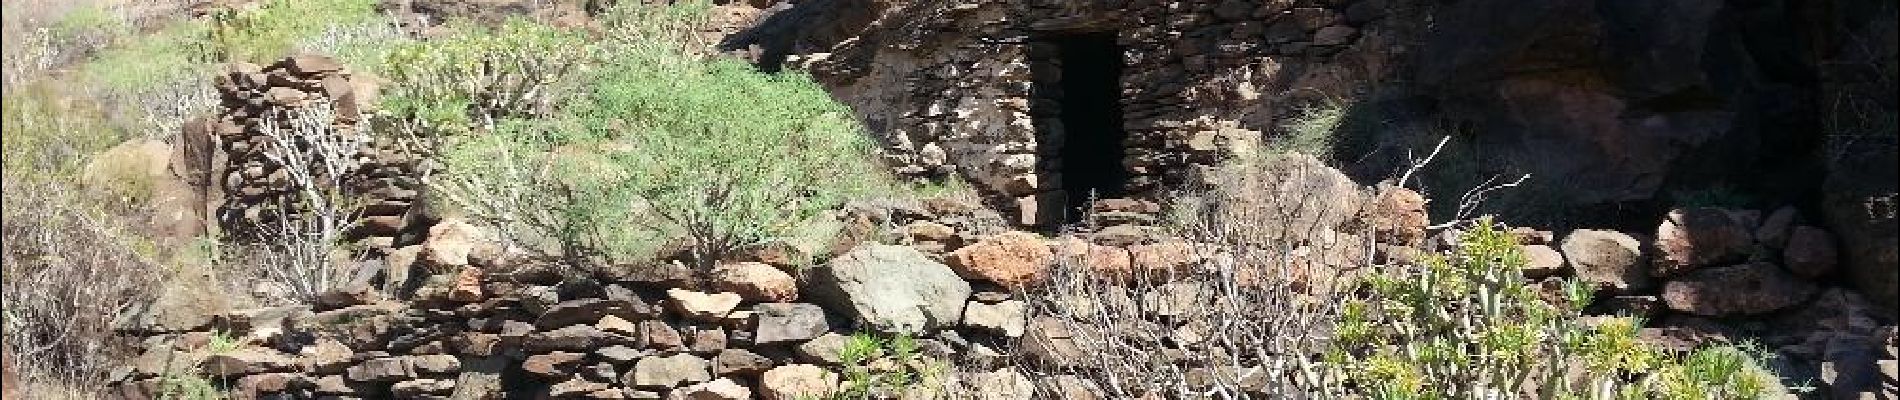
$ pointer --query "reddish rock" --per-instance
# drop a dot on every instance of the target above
(551, 366)
(1098, 259)
(1163, 258)
(1694, 238)
(1810, 252)
(468, 285)
(1011, 259)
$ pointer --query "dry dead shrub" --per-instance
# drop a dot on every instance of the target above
(1246, 312)
(71, 266)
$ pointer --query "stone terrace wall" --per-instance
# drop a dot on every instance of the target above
(255, 189)
(952, 86)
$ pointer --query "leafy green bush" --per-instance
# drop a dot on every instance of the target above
(664, 142)
(1466, 325)
(1311, 130)
(875, 367)
(271, 31)
(480, 76)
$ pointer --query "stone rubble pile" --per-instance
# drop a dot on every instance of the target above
(256, 189)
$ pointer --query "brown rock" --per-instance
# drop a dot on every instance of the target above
(468, 285)
(422, 387)
(246, 361)
(618, 325)
(797, 381)
(739, 362)
(1012, 259)
(755, 281)
(1698, 237)
(700, 306)
(451, 241)
(1774, 230)
(551, 366)
(928, 231)
(1752, 288)
(1397, 215)
(385, 369)
(667, 372)
(717, 389)
(260, 385)
(660, 336)
(707, 341)
(1810, 252)
(1608, 259)
(1162, 258)
(1542, 261)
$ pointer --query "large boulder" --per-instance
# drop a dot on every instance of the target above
(1608, 259)
(1858, 205)
(1290, 198)
(1810, 252)
(891, 289)
(1752, 288)
(1698, 237)
(1013, 259)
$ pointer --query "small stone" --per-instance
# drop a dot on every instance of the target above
(704, 307)
(756, 281)
(436, 363)
(797, 381)
(619, 354)
(739, 362)
(707, 341)
(668, 372)
(617, 325)
(1698, 237)
(787, 322)
(1334, 35)
(1542, 261)
(551, 366)
(1608, 259)
(246, 362)
(422, 387)
(1810, 252)
(824, 350)
(660, 336)
(1775, 230)
(1006, 318)
(717, 389)
(386, 369)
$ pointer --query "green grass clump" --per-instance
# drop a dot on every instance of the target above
(1310, 130)
(875, 366)
(272, 31)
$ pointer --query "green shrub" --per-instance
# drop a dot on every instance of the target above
(480, 76)
(875, 366)
(271, 31)
(1466, 325)
(1310, 130)
(663, 142)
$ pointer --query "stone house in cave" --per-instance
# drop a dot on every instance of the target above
(1043, 105)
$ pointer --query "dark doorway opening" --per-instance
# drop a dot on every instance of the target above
(1090, 138)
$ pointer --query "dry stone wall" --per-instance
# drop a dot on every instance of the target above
(972, 88)
(251, 176)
